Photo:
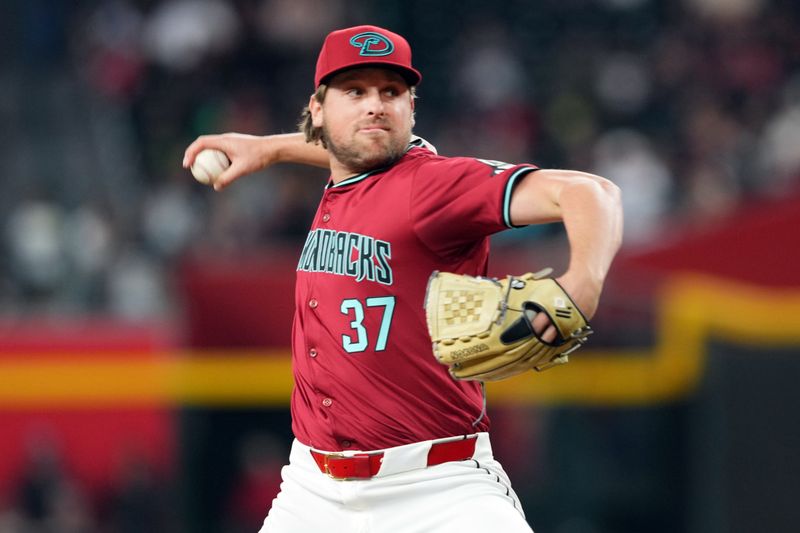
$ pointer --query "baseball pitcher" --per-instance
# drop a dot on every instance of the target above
(396, 326)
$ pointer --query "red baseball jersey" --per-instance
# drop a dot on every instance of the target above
(364, 370)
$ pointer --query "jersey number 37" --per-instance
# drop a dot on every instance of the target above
(358, 341)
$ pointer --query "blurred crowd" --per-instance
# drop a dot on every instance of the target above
(692, 107)
(48, 497)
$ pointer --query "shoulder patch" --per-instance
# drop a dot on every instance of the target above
(498, 167)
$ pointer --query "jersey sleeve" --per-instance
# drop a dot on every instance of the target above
(458, 201)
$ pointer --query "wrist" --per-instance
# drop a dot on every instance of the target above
(586, 276)
(281, 151)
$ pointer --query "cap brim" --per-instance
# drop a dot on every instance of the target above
(411, 75)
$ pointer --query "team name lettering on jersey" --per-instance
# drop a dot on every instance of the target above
(347, 254)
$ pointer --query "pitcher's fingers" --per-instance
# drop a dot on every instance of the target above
(540, 323)
(225, 178)
(199, 144)
(544, 328)
(550, 334)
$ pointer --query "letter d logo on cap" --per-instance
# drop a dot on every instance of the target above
(372, 44)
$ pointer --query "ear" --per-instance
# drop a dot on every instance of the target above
(316, 112)
(413, 113)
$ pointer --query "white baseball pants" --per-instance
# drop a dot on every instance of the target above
(404, 497)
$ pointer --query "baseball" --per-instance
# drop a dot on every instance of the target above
(208, 165)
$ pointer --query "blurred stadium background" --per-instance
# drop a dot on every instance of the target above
(144, 319)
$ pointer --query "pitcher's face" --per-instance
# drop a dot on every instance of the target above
(366, 118)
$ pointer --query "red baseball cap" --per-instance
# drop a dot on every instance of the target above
(363, 46)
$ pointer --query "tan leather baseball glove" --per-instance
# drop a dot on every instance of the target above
(482, 329)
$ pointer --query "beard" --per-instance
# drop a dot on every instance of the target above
(360, 157)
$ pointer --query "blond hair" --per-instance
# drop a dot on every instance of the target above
(313, 134)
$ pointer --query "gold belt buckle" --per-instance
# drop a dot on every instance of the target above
(327, 470)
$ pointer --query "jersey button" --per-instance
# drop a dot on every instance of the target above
(312, 303)
(326, 217)
(346, 444)
(327, 402)
(312, 352)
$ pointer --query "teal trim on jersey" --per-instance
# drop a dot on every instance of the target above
(512, 183)
(354, 179)
(419, 142)
(415, 143)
